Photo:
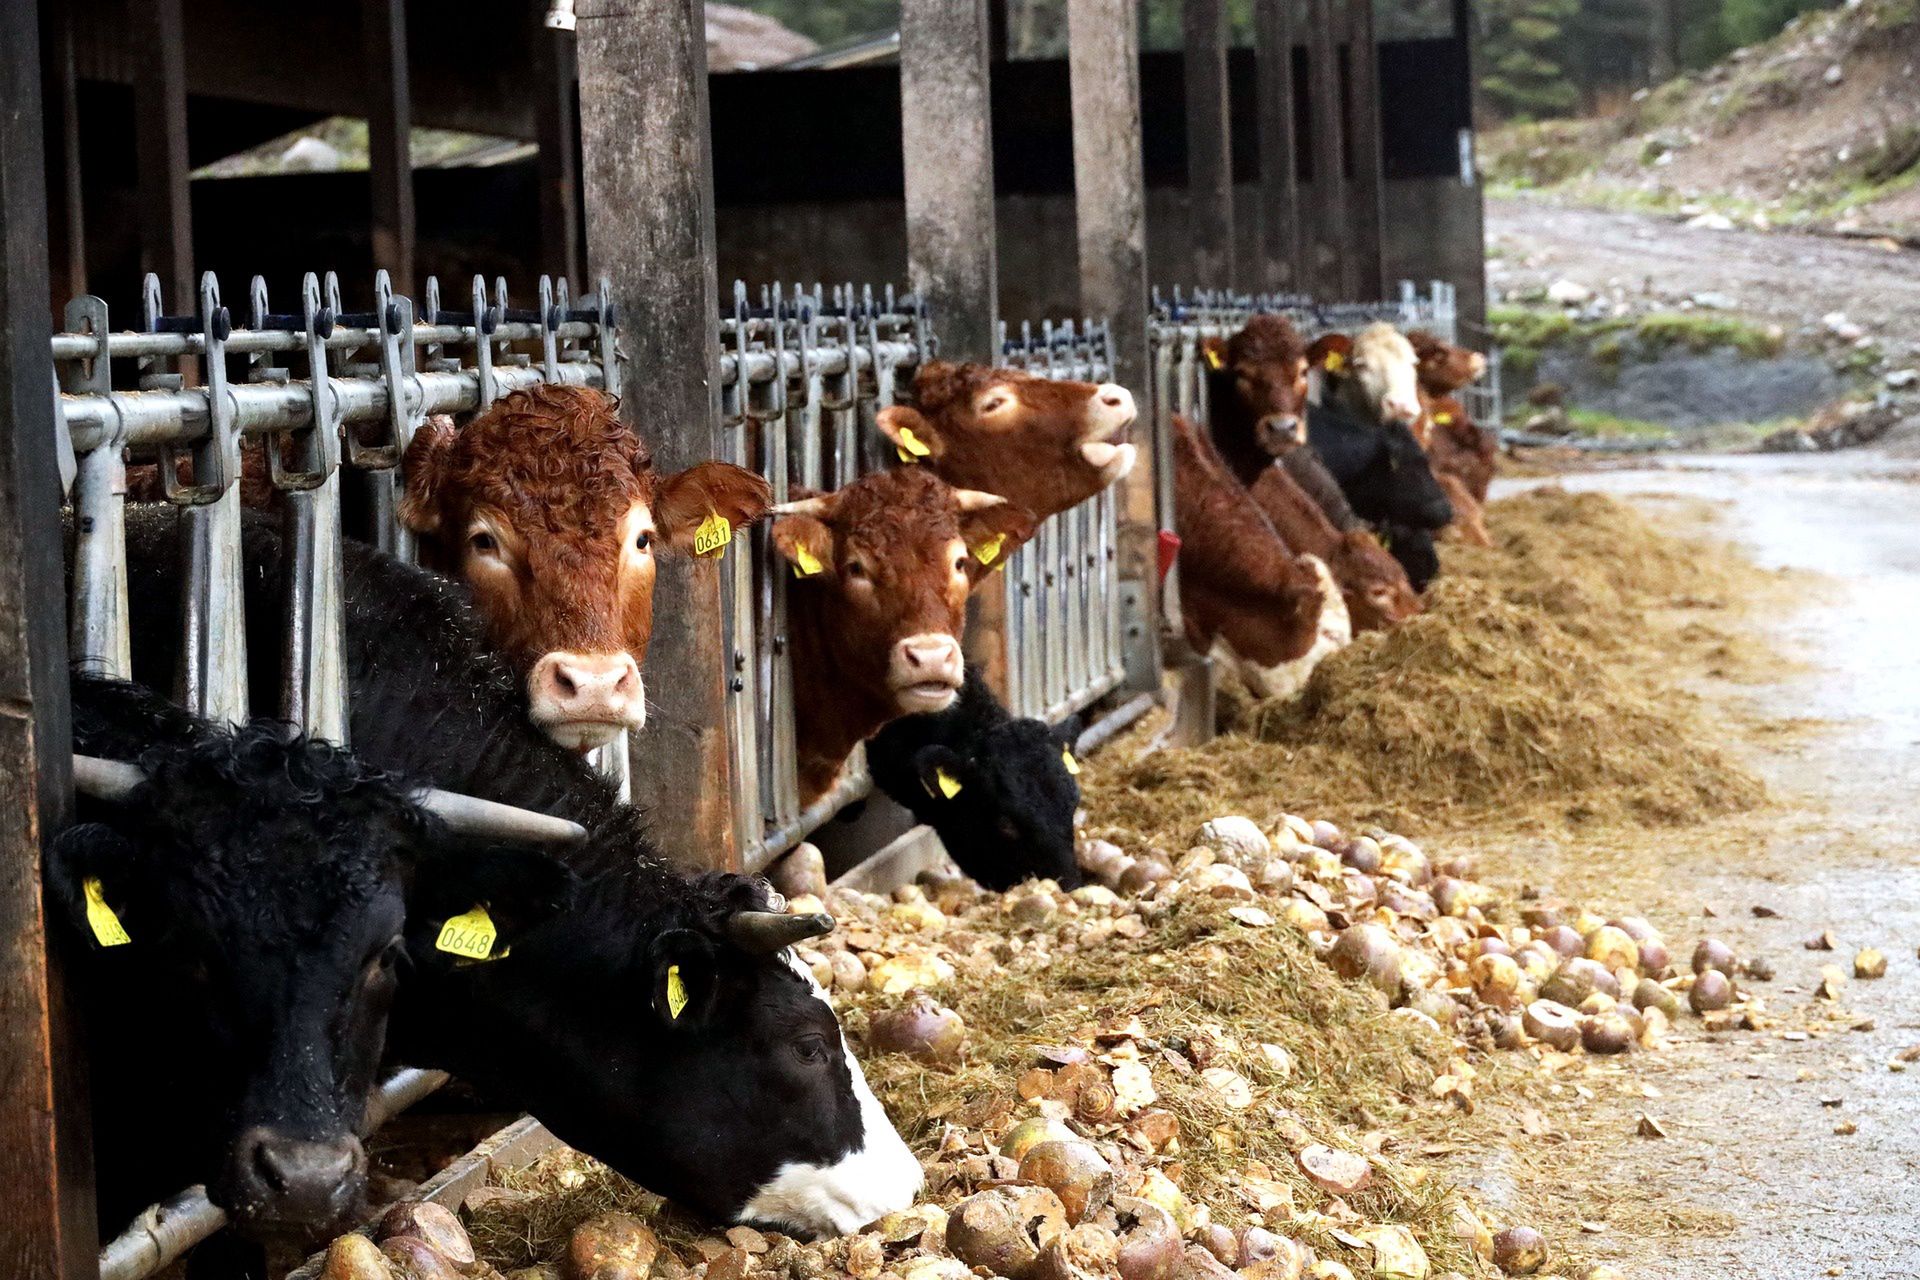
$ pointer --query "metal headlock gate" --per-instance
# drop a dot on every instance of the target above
(803, 375)
(365, 382)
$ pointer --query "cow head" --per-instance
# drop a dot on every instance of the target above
(1043, 445)
(552, 511)
(889, 561)
(1264, 368)
(1004, 807)
(1373, 374)
(1443, 367)
(264, 885)
(683, 1044)
(1376, 588)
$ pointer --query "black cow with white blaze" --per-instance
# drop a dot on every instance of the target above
(243, 913)
(662, 1023)
(998, 791)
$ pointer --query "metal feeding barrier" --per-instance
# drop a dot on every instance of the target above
(803, 375)
(333, 394)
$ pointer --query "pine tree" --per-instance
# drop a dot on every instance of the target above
(1523, 71)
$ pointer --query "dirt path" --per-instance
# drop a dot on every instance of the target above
(1790, 1151)
(1791, 278)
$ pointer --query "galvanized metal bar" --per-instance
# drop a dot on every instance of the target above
(213, 674)
(313, 653)
(99, 631)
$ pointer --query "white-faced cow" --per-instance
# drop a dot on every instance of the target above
(1245, 597)
(552, 511)
(661, 1024)
(1041, 444)
(1373, 375)
(242, 912)
(884, 567)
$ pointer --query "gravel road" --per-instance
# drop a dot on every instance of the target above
(1790, 278)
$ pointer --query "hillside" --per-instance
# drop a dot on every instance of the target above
(1817, 129)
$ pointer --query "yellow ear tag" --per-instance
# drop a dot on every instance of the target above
(106, 926)
(676, 992)
(989, 551)
(911, 447)
(1336, 361)
(470, 936)
(1444, 419)
(804, 564)
(1066, 758)
(948, 784)
(1213, 358)
(713, 535)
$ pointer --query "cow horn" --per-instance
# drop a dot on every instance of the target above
(765, 932)
(472, 816)
(818, 507)
(976, 499)
(105, 779)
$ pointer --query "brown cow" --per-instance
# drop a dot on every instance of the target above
(552, 512)
(1257, 389)
(1444, 368)
(1457, 445)
(1245, 598)
(1044, 445)
(884, 568)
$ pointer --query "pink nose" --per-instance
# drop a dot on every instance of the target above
(1402, 411)
(602, 687)
(932, 655)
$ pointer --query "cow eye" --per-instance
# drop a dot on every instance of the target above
(388, 958)
(811, 1050)
(855, 569)
(994, 404)
(643, 540)
(483, 542)
(960, 564)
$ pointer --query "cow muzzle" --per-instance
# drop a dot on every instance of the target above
(1280, 433)
(1400, 409)
(585, 700)
(926, 672)
(1110, 412)
(282, 1183)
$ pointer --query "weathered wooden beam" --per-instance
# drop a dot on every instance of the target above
(45, 1159)
(1109, 197)
(556, 131)
(383, 46)
(946, 134)
(65, 209)
(1366, 203)
(1326, 118)
(1209, 142)
(160, 136)
(1280, 261)
(647, 166)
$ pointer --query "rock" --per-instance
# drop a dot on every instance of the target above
(1833, 75)
(1837, 324)
(1715, 301)
(354, 1257)
(1568, 293)
(802, 871)
(613, 1246)
(1711, 222)
(1869, 963)
(1901, 379)
(1341, 1172)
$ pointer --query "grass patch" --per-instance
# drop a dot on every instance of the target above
(1702, 331)
(1591, 422)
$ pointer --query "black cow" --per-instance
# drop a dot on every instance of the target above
(998, 791)
(1385, 475)
(662, 1025)
(1416, 552)
(242, 911)
(1311, 474)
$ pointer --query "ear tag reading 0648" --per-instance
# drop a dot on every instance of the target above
(713, 535)
(676, 992)
(470, 936)
(989, 551)
(106, 926)
(912, 448)
(804, 563)
(1066, 758)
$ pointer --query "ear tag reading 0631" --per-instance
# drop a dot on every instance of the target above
(1066, 758)
(470, 936)
(106, 926)
(804, 563)
(911, 447)
(989, 551)
(713, 535)
(676, 992)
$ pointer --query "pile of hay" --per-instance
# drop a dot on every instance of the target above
(1529, 691)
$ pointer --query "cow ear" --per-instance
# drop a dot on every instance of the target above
(806, 544)
(992, 534)
(1214, 351)
(686, 979)
(942, 773)
(93, 877)
(914, 438)
(937, 383)
(507, 889)
(688, 501)
(1330, 352)
(425, 467)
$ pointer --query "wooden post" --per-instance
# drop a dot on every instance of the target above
(383, 36)
(647, 165)
(66, 209)
(946, 134)
(1279, 266)
(1326, 119)
(160, 136)
(1366, 213)
(556, 130)
(1109, 196)
(1209, 143)
(46, 1163)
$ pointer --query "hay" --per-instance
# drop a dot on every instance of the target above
(1530, 692)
